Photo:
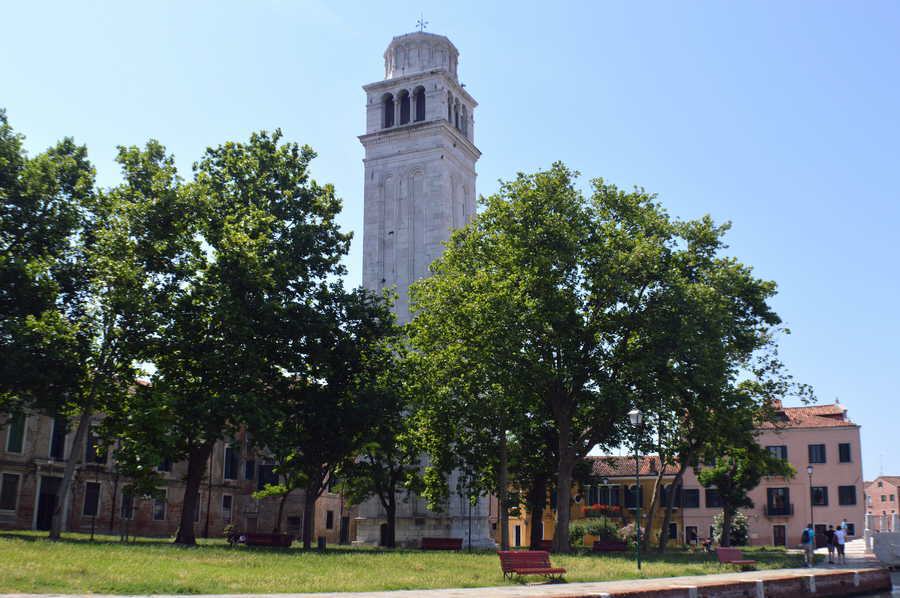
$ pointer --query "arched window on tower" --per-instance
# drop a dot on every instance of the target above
(449, 108)
(403, 98)
(387, 101)
(419, 97)
(456, 114)
(464, 121)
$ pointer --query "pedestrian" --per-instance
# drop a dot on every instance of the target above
(840, 538)
(829, 543)
(808, 542)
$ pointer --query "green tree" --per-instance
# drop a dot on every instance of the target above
(327, 403)
(238, 257)
(737, 471)
(389, 460)
(72, 289)
(542, 295)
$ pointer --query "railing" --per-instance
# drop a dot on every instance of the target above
(779, 510)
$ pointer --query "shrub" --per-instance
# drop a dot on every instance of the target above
(740, 529)
(600, 527)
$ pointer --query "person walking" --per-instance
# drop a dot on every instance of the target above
(808, 542)
(840, 538)
(829, 543)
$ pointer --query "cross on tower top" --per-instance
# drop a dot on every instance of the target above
(422, 24)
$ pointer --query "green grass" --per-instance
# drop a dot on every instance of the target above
(29, 564)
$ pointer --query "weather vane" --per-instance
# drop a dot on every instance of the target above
(422, 24)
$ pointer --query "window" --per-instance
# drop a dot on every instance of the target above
(456, 114)
(713, 500)
(664, 496)
(884, 498)
(92, 444)
(404, 107)
(329, 520)
(91, 499)
(851, 529)
(778, 501)
(267, 475)
(817, 453)
(892, 497)
(844, 452)
(778, 451)
(58, 438)
(846, 495)
(227, 502)
(9, 491)
(690, 534)
(231, 463)
(630, 493)
(127, 509)
(880, 484)
(449, 108)
(419, 97)
(249, 469)
(165, 465)
(690, 498)
(819, 496)
(464, 121)
(673, 531)
(15, 434)
(159, 508)
(388, 103)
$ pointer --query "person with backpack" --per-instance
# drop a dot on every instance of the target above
(808, 542)
(840, 538)
(829, 542)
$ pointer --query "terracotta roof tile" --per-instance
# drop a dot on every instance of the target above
(811, 416)
(612, 466)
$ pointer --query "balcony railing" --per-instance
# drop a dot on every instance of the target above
(779, 510)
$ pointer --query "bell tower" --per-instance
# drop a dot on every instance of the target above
(419, 164)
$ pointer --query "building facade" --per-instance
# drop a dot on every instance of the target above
(419, 185)
(881, 496)
(819, 436)
(33, 449)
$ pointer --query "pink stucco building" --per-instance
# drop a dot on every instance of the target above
(821, 436)
(882, 498)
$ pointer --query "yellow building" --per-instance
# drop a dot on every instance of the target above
(609, 491)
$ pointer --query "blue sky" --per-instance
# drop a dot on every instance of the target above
(781, 117)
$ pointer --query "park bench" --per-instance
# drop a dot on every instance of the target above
(528, 562)
(262, 539)
(442, 543)
(733, 556)
(609, 546)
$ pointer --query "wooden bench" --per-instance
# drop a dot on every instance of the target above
(609, 546)
(733, 556)
(442, 543)
(261, 539)
(528, 562)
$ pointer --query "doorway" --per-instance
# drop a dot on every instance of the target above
(779, 535)
(690, 534)
(518, 534)
(47, 502)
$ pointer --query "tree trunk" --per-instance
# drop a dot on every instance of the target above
(537, 500)
(564, 484)
(503, 482)
(277, 528)
(65, 488)
(727, 517)
(112, 510)
(670, 504)
(390, 537)
(309, 516)
(197, 458)
(651, 510)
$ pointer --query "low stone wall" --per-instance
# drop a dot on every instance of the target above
(824, 585)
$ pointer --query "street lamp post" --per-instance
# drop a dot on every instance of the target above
(637, 418)
(809, 472)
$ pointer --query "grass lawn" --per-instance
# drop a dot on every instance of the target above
(29, 563)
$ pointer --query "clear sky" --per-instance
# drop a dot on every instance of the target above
(781, 117)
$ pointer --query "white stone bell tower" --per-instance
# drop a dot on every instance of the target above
(419, 185)
(419, 164)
